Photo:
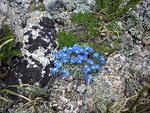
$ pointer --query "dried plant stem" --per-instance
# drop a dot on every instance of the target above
(5, 43)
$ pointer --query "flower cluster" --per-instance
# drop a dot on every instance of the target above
(84, 56)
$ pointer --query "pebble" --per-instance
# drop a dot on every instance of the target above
(81, 88)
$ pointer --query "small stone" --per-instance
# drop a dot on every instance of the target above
(3, 8)
(64, 100)
(146, 42)
(81, 88)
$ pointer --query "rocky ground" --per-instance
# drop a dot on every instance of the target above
(36, 33)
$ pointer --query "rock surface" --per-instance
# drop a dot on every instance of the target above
(144, 10)
(38, 46)
(36, 36)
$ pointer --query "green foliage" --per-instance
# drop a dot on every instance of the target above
(108, 6)
(103, 24)
(95, 25)
(6, 45)
(66, 39)
(113, 9)
(85, 18)
(96, 28)
(89, 20)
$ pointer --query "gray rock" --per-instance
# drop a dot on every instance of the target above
(146, 42)
(70, 5)
(15, 15)
(3, 8)
(53, 5)
(115, 63)
(48, 2)
(38, 46)
(64, 100)
(106, 86)
(81, 88)
(144, 10)
(22, 3)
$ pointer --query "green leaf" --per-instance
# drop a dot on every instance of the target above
(34, 90)
(3, 40)
(14, 93)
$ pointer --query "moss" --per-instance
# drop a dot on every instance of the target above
(66, 39)
(84, 18)
(89, 20)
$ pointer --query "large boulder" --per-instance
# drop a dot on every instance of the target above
(38, 46)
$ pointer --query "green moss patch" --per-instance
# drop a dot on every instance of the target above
(66, 39)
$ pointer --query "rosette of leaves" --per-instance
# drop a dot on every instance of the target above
(6, 45)
(82, 61)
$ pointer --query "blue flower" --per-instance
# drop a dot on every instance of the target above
(89, 49)
(65, 56)
(65, 61)
(58, 55)
(76, 46)
(102, 60)
(86, 66)
(78, 55)
(65, 73)
(79, 61)
(57, 64)
(54, 71)
(70, 50)
(72, 60)
(86, 69)
(88, 78)
(65, 49)
(82, 51)
(81, 58)
(96, 67)
(96, 55)
(90, 61)
(77, 51)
